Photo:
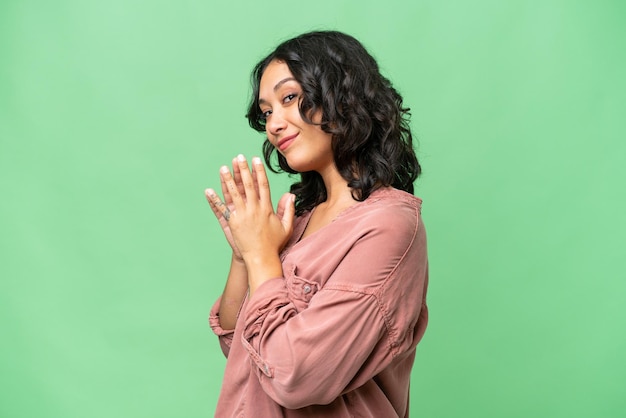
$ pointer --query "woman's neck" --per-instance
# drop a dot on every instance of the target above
(338, 193)
(338, 198)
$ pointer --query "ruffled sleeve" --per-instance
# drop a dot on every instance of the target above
(225, 336)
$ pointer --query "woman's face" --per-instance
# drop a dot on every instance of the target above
(305, 146)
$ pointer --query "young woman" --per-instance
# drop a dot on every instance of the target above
(325, 300)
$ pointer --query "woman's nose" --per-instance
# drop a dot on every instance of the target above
(276, 123)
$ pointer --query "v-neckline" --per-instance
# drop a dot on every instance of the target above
(302, 236)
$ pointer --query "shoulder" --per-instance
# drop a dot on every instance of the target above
(389, 217)
(394, 198)
(387, 208)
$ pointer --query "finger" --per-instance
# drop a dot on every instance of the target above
(255, 161)
(280, 208)
(246, 179)
(227, 199)
(232, 192)
(237, 177)
(261, 181)
(219, 208)
(286, 211)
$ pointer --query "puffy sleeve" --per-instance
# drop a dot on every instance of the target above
(311, 342)
(225, 336)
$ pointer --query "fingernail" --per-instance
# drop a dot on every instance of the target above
(224, 169)
(256, 160)
(241, 158)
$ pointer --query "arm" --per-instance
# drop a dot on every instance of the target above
(258, 232)
(366, 315)
(249, 198)
(224, 313)
(234, 292)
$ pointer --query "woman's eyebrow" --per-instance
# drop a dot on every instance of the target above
(283, 81)
(277, 86)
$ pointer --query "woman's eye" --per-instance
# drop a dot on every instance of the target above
(289, 98)
(266, 114)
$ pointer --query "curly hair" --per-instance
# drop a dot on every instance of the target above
(371, 139)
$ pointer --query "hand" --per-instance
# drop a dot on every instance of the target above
(220, 208)
(249, 222)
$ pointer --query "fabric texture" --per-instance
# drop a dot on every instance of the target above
(336, 336)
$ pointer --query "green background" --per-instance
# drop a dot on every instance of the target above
(114, 117)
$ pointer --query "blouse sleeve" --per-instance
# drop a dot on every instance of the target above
(225, 336)
(356, 325)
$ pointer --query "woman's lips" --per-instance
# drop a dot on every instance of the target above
(286, 141)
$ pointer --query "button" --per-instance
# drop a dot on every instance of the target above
(306, 289)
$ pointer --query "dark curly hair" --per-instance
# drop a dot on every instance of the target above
(371, 138)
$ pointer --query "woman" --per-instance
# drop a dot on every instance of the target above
(324, 303)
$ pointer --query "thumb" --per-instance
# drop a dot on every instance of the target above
(286, 210)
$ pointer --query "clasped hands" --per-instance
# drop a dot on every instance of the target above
(251, 226)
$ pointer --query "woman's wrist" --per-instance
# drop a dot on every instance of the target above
(262, 267)
(237, 259)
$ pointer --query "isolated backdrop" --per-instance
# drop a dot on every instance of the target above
(114, 117)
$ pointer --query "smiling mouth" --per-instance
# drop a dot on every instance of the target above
(285, 142)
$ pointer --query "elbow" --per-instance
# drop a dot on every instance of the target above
(303, 396)
(290, 403)
(225, 344)
(299, 402)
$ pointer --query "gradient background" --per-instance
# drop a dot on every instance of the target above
(116, 115)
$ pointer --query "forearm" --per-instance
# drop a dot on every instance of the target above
(234, 293)
(280, 341)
